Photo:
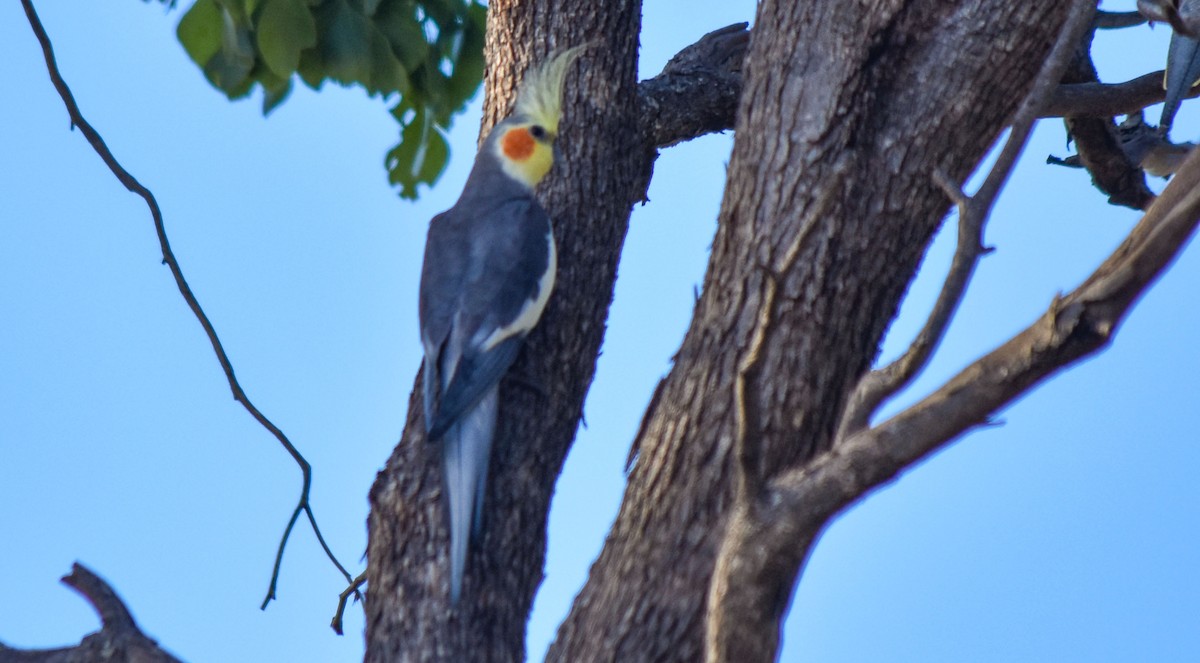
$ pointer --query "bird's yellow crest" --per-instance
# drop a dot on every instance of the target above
(540, 95)
(526, 144)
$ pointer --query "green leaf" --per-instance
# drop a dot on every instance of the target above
(444, 14)
(468, 59)
(285, 28)
(398, 23)
(200, 31)
(312, 68)
(236, 9)
(427, 51)
(275, 89)
(420, 157)
(388, 75)
(355, 51)
(230, 68)
(346, 44)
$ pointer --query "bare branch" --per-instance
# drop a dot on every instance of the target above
(1075, 326)
(344, 597)
(973, 212)
(1108, 99)
(698, 90)
(1114, 20)
(131, 183)
(118, 640)
(767, 537)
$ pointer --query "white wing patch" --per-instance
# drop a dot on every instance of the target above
(531, 312)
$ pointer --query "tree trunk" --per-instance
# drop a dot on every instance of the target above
(603, 169)
(848, 111)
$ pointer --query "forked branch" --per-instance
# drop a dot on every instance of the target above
(1075, 326)
(802, 501)
(973, 212)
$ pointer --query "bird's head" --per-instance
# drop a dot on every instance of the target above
(524, 141)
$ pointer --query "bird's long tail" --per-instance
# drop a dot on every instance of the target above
(1183, 70)
(466, 448)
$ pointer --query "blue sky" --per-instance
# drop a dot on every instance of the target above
(1069, 533)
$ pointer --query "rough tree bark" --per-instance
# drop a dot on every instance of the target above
(603, 170)
(847, 112)
(119, 639)
(851, 120)
(848, 115)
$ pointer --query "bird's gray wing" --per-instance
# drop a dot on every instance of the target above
(442, 275)
(511, 256)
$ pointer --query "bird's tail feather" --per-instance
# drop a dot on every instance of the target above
(466, 448)
(1183, 70)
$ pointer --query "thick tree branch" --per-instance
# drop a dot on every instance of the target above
(1116, 20)
(1075, 326)
(1108, 99)
(697, 91)
(119, 639)
(770, 358)
(601, 172)
(130, 182)
(973, 212)
(803, 500)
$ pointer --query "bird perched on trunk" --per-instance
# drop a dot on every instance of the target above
(489, 269)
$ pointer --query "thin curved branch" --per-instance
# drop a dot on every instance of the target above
(118, 640)
(344, 597)
(973, 212)
(131, 183)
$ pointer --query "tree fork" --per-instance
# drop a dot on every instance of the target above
(845, 114)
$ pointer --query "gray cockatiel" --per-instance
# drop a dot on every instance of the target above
(489, 269)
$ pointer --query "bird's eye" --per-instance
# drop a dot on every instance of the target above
(538, 131)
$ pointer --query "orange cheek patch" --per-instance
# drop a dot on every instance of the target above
(517, 144)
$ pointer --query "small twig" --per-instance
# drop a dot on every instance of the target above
(344, 597)
(973, 212)
(131, 183)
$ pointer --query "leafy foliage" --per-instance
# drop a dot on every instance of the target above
(429, 53)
